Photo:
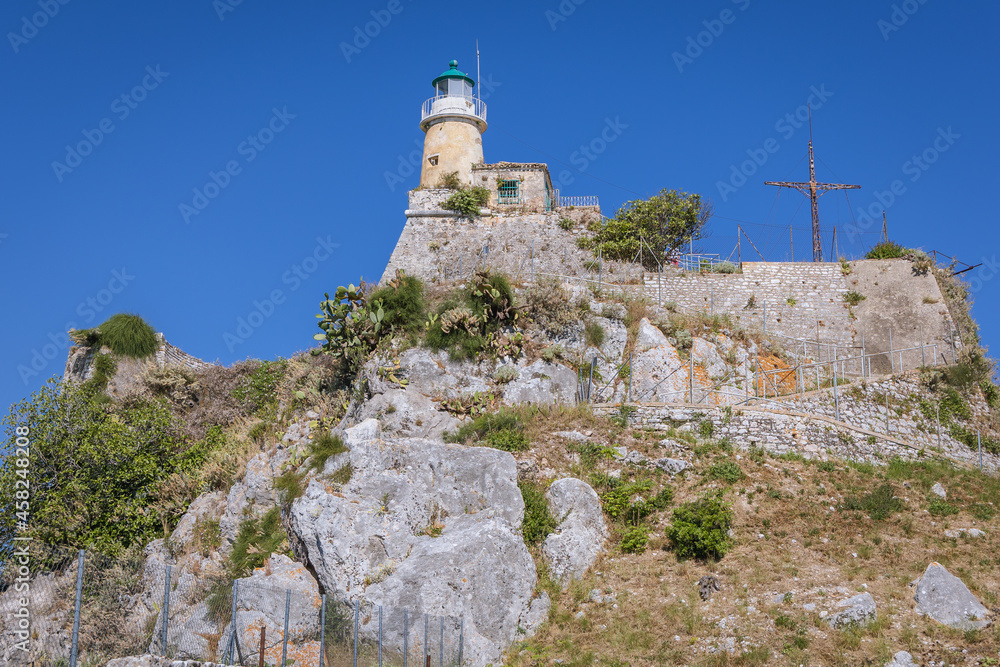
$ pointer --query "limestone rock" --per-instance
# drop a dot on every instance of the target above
(901, 659)
(252, 496)
(372, 540)
(542, 383)
(938, 490)
(407, 412)
(261, 603)
(207, 506)
(579, 537)
(671, 466)
(575, 436)
(657, 373)
(969, 532)
(708, 585)
(942, 596)
(858, 610)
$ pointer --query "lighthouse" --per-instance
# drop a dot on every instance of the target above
(453, 122)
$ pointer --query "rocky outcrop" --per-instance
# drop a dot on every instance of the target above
(943, 597)
(858, 610)
(901, 659)
(579, 537)
(427, 527)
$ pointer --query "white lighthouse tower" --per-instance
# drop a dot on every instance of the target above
(453, 122)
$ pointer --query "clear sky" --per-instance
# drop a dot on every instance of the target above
(190, 160)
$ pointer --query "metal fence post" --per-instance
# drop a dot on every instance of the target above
(76, 611)
(166, 612)
(836, 397)
(764, 303)
(461, 639)
(590, 380)
(356, 606)
(441, 646)
(232, 623)
(406, 636)
(628, 390)
(284, 640)
(691, 377)
(322, 630)
(979, 439)
(938, 411)
(427, 649)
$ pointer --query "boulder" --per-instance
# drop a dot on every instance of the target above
(251, 496)
(901, 659)
(968, 532)
(858, 610)
(671, 466)
(943, 597)
(426, 527)
(938, 490)
(580, 534)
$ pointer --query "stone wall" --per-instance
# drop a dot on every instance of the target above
(438, 246)
(535, 188)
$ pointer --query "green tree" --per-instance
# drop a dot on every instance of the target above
(93, 467)
(666, 221)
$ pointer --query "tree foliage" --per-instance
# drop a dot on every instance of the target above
(93, 467)
(665, 222)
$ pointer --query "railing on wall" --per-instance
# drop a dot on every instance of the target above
(585, 200)
(443, 106)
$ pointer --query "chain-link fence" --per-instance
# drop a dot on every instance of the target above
(68, 608)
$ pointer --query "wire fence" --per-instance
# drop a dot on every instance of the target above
(66, 607)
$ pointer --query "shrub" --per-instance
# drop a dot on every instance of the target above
(402, 302)
(727, 471)
(465, 323)
(725, 267)
(593, 333)
(553, 352)
(853, 298)
(631, 502)
(450, 181)
(256, 540)
(879, 504)
(538, 521)
(548, 305)
(700, 528)
(886, 250)
(505, 374)
(467, 202)
(684, 339)
(566, 224)
(635, 539)
(706, 428)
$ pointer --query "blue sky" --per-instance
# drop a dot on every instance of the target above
(302, 125)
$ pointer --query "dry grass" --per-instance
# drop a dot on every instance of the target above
(787, 540)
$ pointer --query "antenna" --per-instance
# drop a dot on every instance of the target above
(479, 84)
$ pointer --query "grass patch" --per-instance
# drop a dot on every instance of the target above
(941, 507)
(256, 540)
(125, 334)
(593, 333)
(878, 505)
(726, 471)
(322, 448)
(538, 521)
(502, 430)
